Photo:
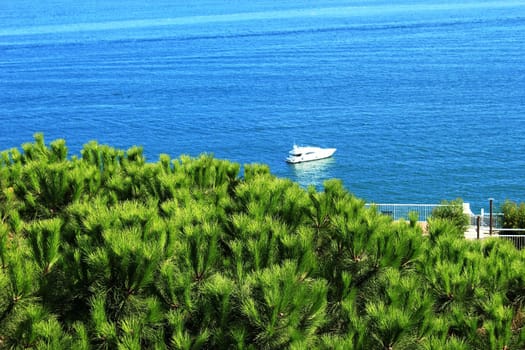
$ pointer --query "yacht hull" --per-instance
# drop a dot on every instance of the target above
(308, 154)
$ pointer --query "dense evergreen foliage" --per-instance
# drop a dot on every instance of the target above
(108, 251)
(452, 211)
(513, 215)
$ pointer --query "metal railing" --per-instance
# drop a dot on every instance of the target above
(515, 235)
(517, 240)
(401, 211)
(424, 211)
(497, 220)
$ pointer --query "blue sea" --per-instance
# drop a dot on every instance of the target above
(424, 100)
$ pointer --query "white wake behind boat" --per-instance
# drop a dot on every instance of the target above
(301, 154)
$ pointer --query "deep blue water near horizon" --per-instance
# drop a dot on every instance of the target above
(424, 100)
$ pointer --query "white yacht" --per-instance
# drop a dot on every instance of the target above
(301, 154)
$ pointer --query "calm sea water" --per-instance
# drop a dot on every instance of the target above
(424, 100)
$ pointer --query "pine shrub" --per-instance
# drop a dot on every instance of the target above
(108, 251)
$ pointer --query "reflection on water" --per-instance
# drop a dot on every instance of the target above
(312, 173)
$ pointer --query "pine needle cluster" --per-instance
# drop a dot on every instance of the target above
(108, 251)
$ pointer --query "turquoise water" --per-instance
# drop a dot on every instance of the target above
(424, 100)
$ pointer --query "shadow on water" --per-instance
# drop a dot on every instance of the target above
(312, 173)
